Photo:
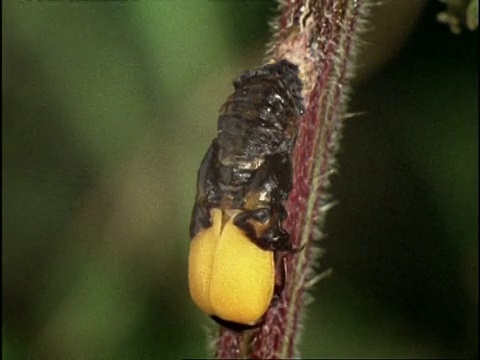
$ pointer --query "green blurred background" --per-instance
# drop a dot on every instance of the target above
(108, 108)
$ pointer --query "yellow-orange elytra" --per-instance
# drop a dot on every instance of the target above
(229, 276)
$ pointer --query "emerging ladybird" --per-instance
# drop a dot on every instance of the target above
(244, 179)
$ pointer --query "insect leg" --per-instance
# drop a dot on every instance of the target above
(264, 213)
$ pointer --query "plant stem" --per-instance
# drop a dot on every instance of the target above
(320, 37)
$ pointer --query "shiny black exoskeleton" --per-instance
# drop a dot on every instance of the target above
(247, 170)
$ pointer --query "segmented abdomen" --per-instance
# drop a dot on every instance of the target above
(258, 120)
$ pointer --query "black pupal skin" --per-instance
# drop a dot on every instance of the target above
(248, 166)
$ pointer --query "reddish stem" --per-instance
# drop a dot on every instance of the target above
(318, 36)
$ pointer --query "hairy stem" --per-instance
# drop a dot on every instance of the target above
(320, 37)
